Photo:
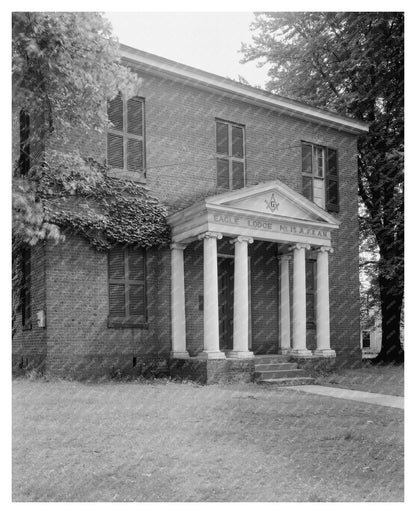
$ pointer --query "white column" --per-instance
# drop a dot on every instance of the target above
(211, 323)
(240, 327)
(323, 348)
(178, 302)
(299, 301)
(284, 304)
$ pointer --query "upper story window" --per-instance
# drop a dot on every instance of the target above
(320, 176)
(125, 135)
(127, 286)
(230, 155)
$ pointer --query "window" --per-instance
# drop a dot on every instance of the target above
(24, 127)
(310, 293)
(230, 155)
(125, 135)
(366, 339)
(25, 290)
(320, 176)
(127, 288)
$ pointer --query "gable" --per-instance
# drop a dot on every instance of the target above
(275, 203)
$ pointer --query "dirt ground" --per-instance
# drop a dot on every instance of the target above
(167, 441)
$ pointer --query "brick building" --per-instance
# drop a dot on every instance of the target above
(262, 200)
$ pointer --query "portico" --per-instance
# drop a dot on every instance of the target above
(270, 212)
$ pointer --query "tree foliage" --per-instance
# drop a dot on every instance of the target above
(352, 63)
(66, 67)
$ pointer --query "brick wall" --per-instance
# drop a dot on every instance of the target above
(181, 167)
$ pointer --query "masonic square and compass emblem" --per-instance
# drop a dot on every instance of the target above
(271, 204)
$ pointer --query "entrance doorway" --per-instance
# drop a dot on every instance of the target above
(226, 301)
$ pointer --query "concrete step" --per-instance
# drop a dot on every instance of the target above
(270, 359)
(287, 381)
(286, 373)
(275, 366)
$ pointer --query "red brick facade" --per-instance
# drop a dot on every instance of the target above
(70, 281)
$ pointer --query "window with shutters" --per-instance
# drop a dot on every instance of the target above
(310, 293)
(125, 134)
(230, 139)
(25, 289)
(24, 128)
(320, 176)
(127, 286)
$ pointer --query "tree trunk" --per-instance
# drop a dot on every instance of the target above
(391, 308)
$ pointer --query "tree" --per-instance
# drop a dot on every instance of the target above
(353, 63)
(66, 66)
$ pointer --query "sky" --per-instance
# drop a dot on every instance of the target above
(206, 40)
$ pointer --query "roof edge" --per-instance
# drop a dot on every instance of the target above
(151, 62)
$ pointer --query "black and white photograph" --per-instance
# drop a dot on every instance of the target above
(206, 255)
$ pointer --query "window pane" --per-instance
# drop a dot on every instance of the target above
(115, 112)
(237, 142)
(134, 155)
(117, 300)
(136, 263)
(135, 116)
(366, 340)
(319, 161)
(238, 175)
(306, 158)
(115, 154)
(307, 187)
(222, 138)
(116, 263)
(223, 175)
(136, 300)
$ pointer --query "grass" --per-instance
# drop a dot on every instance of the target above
(369, 378)
(166, 441)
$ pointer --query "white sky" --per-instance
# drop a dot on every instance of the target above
(206, 40)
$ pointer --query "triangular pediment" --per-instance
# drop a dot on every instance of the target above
(273, 199)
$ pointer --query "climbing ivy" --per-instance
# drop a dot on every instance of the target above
(103, 210)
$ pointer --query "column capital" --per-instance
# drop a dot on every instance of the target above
(242, 239)
(284, 257)
(299, 246)
(323, 249)
(210, 235)
(177, 246)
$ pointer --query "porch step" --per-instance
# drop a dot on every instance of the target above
(277, 370)
(270, 359)
(279, 373)
(271, 366)
(288, 381)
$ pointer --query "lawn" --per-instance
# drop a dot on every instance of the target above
(166, 441)
(373, 379)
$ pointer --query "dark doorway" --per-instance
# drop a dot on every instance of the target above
(226, 301)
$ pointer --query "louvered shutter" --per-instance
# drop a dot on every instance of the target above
(134, 154)
(332, 181)
(115, 113)
(117, 279)
(136, 295)
(135, 116)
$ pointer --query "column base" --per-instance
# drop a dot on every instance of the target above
(324, 352)
(211, 355)
(179, 355)
(300, 352)
(284, 351)
(235, 354)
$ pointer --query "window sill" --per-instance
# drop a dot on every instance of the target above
(134, 176)
(126, 323)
